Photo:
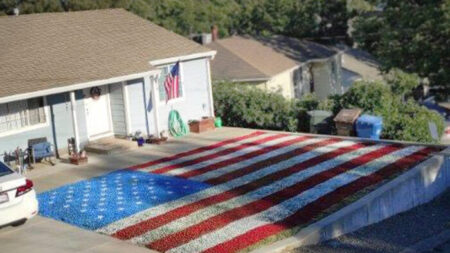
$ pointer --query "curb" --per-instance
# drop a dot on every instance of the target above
(429, 243)
(417, 186)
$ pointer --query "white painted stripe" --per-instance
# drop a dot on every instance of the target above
(234, 154)
(240, 165)
(290, 206)
(166, 207)
(204, 153)
(213, 210)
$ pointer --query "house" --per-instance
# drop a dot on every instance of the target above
(358, 65)
(92, 74)
(290, 66)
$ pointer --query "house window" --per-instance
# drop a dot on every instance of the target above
(162, 78)
(21, 114)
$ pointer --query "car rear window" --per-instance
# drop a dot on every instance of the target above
(4, 170)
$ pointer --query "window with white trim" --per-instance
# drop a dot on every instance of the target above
(21, 114)
(162, 78)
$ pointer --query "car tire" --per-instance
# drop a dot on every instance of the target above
(19, 223)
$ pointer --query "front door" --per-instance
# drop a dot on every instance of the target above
(97, 111)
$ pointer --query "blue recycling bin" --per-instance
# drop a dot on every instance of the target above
(368, 126)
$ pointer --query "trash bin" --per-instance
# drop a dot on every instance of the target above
(368, 126)
(319, 121)
(345, 121)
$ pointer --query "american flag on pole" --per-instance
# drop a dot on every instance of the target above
(172, 82)
(230, 195)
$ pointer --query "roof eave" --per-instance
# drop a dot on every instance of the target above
(77, 86)
(209, 54)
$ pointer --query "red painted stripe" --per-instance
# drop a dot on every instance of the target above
(296, 152)
(197, 150)
(218, 154)
(312, 210)
(223, 219)
(241, 158)
(155, 222)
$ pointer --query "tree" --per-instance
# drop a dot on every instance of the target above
(412, 35)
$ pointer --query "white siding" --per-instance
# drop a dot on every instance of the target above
(194, 104)
(136, 98)
(117, 109)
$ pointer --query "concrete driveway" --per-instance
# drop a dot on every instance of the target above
(46, 235)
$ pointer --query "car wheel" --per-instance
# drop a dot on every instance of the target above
(19, 223)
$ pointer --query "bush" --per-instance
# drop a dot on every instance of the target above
(406, 121)
(244, 106)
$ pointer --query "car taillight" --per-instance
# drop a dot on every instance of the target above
(24, 188)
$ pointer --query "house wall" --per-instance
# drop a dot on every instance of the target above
(137, 106)
(325, 82)
(58, 129)
(117, 109)
(282, 83)
(195, 104)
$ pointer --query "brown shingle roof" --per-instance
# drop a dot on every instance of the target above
(267, 55)
(229, 66)
(43, 51)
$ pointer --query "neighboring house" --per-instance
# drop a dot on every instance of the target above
(92, 74)
(358, 65)
(291, 66)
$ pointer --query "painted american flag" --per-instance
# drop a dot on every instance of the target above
(172, 82)
(230, 195)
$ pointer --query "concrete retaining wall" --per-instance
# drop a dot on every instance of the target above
(417, 186)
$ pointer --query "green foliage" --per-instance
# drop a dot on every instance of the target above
(245, 106)
(411, 35)
(402, 83)
(301, 18)
(365, 95)
(406, 121)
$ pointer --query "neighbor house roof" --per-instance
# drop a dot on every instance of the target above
(250, 57)
(51, 50)
(360, 62)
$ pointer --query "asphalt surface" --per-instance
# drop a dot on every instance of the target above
(396, 234)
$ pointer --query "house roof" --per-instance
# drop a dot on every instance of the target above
(360, 62)
(247, 57)
(52, 50)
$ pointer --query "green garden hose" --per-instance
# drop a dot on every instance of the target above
(177, 127)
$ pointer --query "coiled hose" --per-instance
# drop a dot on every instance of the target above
(177, 127)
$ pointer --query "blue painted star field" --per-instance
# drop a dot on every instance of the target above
(99, 201)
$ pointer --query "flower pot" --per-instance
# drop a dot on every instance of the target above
(140, 141)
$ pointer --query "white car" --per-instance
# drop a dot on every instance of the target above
(18, 202)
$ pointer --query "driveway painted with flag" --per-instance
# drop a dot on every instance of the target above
(230, 195)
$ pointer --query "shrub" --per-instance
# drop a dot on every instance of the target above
(406, 121)
(244, 106)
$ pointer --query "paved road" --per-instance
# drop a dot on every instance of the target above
(399, 233)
